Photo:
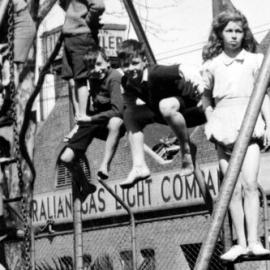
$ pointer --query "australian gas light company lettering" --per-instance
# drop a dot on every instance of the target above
(163, 191)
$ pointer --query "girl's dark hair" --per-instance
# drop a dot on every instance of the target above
(215, 42)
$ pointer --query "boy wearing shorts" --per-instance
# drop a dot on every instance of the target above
(171, 96)
(104, 117)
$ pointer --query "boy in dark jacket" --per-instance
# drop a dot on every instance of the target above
(104, 117)
(170, 94)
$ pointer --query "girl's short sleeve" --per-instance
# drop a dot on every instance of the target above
(208, 75)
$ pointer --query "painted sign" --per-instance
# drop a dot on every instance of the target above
(163, 191)
(109, 37)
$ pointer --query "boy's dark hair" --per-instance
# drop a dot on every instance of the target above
(90, 57)
(130, 48)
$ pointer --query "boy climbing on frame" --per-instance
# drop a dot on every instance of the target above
(171, 96)
(104, 118)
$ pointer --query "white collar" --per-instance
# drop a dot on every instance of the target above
(229, 60)
(145, 75)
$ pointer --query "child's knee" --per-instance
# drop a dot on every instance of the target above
(169, 106)
(67, 156)
(237, 193)
(115, 124)
(251, 188)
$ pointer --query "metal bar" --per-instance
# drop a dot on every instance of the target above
(3, 9)
(77, 224)
(139, 30)
(265, 221)
(132, 223)
(203, 187)
(235, 164)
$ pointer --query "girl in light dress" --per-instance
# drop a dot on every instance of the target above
(229, 72)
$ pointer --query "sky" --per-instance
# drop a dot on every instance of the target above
(177, 29)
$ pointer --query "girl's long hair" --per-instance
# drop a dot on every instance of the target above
(214, 45)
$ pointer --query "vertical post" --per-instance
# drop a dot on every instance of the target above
(265, 221)
(132, 223)
(3, 9)
(221, 5)
(77, 225)
(235, 164)
(139, 30)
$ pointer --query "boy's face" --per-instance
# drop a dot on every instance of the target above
(100, 68)
(133, 68)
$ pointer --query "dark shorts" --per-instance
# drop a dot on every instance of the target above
(137, 117)
(75, 48)
(87, 132)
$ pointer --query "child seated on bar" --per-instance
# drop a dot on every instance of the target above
(105, 114)
(171, 96)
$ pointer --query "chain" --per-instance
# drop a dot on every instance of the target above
(26, 250)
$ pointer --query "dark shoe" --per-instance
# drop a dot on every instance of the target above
(102, 175)
(89, 189)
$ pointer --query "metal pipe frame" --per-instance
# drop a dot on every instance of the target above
(139, 30)
(265, 221)
(132, 223)
(235, 164)
(3, 9)
(77, 225)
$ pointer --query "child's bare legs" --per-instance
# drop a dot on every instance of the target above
(236, 205)
(112, 141)
(250, 209)
(169, 108)
(82, 93)
(236, 211)
(250, 171)
(139, 169)
(75, 104)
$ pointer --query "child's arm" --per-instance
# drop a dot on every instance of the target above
(116, 101)
(96, 9)
(266, 116)
(208, 84)
(207, 104)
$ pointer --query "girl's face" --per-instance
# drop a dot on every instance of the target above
(232, 36)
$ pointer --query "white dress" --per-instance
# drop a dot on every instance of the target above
(230, 82)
